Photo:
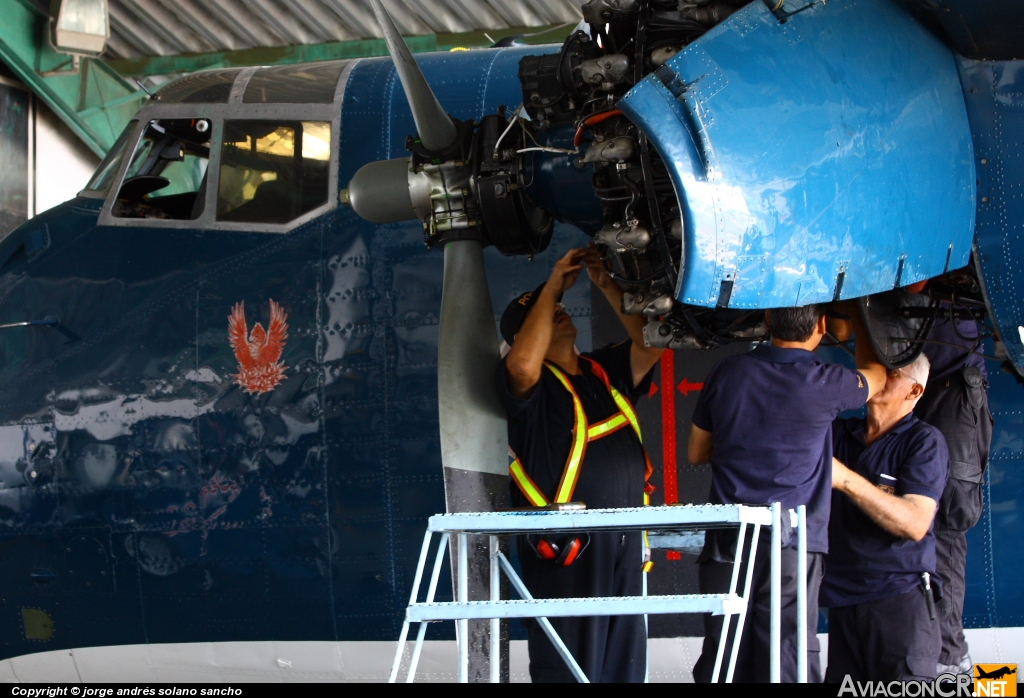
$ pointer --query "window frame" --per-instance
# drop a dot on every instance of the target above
(218, 114)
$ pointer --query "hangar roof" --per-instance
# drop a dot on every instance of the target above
(172, 27)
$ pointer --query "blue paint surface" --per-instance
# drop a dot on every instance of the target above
(832, 150)
(995, 578)
(994, 91)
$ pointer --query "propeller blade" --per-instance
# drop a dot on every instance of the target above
(474, 430)
(474, 435)
(473, 426)
(435, 128)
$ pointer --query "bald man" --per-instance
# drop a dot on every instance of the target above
(888, 474)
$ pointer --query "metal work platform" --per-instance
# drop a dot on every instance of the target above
(677, 520)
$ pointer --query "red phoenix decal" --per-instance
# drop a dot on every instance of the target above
(258, 352)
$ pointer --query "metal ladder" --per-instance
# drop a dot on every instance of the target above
(673, 518)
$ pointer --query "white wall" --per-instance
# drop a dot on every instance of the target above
(63, 163)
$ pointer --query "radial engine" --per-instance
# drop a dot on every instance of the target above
(640, 132)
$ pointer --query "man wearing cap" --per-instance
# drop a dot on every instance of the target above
(888, 474)
(575, 438)
(764, 423)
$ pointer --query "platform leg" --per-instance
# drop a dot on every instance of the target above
(560, 647)
(775, 666)
(399, 651)
(495, 655)
(463, 625)
(801, 594)
(647, 661)
(431, 590)
(727, 620)
(417, 578)
(748, 581)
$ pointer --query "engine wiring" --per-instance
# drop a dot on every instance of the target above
(513, 120)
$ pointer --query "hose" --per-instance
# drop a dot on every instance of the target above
(590, 121)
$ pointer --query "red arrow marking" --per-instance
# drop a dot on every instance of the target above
(653, 390)
(686, 387)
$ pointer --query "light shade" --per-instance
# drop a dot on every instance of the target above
(79, 26)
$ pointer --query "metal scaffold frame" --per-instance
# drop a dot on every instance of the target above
(673, 518)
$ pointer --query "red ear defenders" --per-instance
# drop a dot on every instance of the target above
(562, 553)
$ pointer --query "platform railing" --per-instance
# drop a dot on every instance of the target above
(665, 519)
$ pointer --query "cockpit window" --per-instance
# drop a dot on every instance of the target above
(166, 176)
(273, 171)
(303, 83)
(104, 174)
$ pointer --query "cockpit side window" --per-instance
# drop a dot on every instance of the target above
(166, 176)
(104, 174)
(273, 171)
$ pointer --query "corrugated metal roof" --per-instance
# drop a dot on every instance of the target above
(171, 27)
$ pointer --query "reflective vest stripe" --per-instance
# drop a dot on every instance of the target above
(628, 412)
(623, 403)
(526, 485)
(571, 473)
(582, 433)
(626, 408)
(606, 427)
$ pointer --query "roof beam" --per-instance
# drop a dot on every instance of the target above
(232, 14)
(280, 55)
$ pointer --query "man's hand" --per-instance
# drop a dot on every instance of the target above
(565, 273)
(525, 359)
(641, 358)
(597, 272)
(909, 516)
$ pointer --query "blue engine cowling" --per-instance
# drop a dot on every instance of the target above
(828, 156)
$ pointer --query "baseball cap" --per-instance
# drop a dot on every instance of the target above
(515, 314)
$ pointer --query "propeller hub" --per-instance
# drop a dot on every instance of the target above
(456, 181)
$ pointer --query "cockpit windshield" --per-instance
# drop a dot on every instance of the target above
(104, 174)
(166, 176)
(265, 171)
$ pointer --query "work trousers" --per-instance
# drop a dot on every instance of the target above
(957, 406)
(609, 649)
(753, 660)
(888, 640)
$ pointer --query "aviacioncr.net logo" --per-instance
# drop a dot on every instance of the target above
(995, 679)
(945, 686)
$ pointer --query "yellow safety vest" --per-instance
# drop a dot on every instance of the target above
(582, 434)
